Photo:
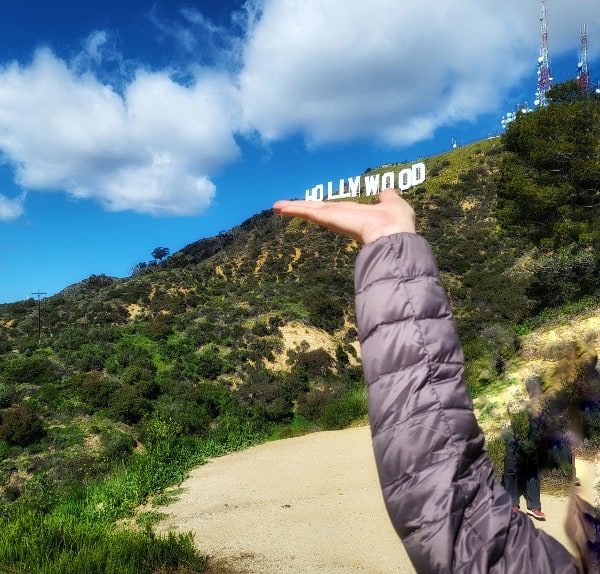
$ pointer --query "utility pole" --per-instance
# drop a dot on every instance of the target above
(39, 294)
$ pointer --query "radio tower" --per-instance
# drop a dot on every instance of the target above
(543, 73)
(583, 73)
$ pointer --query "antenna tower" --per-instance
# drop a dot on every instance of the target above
(543, 73)
(583, 73)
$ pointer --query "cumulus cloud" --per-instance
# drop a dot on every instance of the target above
(131, 137)
(11, 209)
(150, 149)
(392, 70)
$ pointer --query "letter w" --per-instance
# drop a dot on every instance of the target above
(372, 184)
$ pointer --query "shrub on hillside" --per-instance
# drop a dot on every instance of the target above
(312, 403)
(344, 409)
(127, 405)
(20, 426)
(315, 363)
(130, 352)
(142, 379)
(95, 388)
(36, 369)
(185, 416)
(265, 396)
(209, 363)
(116, 445)
(333, 408)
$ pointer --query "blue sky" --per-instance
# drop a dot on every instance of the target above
(128, 125)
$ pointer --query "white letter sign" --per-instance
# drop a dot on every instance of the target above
(405, 179)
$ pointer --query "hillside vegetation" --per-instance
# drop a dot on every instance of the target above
(251, 335)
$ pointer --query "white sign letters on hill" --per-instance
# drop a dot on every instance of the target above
(372, 184)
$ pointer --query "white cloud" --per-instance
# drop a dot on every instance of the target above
(393, 70)
(11, 209)
(151, 149)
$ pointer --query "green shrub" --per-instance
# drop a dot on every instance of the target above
(265, 397)
(187, 417)
(315, 363)
(344, 409)
(131, 351)
(4, 450)
(496, 449)
(95, 388)
(20, 426)
(7, 395)
(36, 369)
(142, 380)
(312, 403)
(116, 445)
(90, 357)
(128, 405)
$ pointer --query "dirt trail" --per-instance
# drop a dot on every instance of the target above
(302, 506)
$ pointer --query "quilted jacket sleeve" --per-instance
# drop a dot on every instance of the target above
(451, 513)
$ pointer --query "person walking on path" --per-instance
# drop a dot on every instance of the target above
(521, 469)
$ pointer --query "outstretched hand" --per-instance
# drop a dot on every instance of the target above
(365, 223)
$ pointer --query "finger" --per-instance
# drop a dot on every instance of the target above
(316, 209)
(287, 207)
(388, 193)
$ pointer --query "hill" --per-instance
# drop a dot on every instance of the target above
(119, 386)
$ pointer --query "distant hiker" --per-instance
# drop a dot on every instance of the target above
(521, 466)
(438, 483)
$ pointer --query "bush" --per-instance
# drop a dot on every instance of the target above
(265, 396)
(20, 426)
(34, 370)
(496, 449)
(95, 388)
(127, 405)
(142, 379)
(90, 357)
(130, 352)
(316, 363)
(184, 415)
(312, 403)
(209, 363)
(7, 395)
(116, 445)
(345, 409)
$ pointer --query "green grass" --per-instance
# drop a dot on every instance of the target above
(75, 532)
(298, 427)
(559, 314)
(168, 497)
(54, 543)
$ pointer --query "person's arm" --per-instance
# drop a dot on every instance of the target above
(437, 481)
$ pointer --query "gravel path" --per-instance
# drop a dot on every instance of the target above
(305, 505)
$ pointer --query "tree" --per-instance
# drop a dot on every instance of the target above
(139, 267)
(548, 186)
(568, 91)
(160, 253)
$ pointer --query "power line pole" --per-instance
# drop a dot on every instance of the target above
(39, 294)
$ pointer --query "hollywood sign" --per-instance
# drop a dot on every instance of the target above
(372, 184)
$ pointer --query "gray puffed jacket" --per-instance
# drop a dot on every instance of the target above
(444, 501)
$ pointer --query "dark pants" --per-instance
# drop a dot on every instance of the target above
(521, 477)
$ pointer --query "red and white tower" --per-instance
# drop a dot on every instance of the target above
(543, 72)
(583, 73)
